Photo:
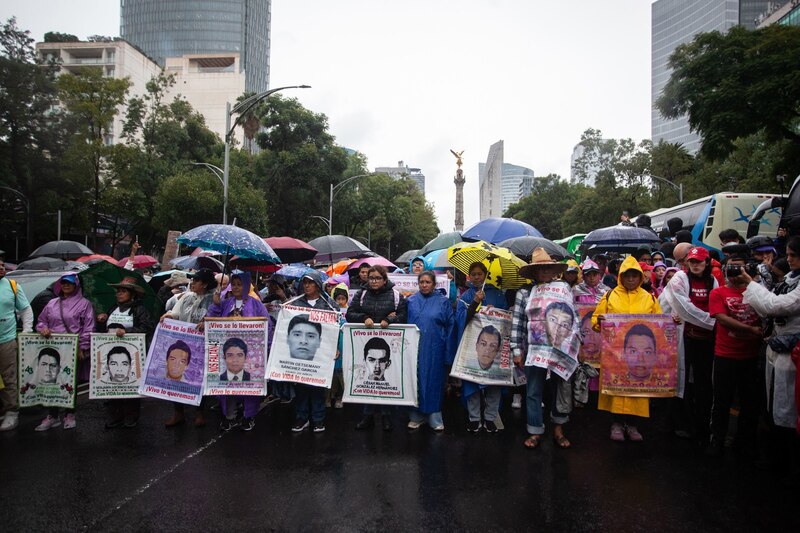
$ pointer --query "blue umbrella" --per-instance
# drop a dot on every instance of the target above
(496, 230)
(230, 240)
(297, 271)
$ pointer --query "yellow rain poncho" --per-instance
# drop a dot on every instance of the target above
(621, 301)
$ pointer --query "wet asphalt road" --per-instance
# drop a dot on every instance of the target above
(186, 479)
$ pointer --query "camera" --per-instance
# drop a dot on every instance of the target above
(736, 270)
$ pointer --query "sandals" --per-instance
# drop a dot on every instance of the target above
(561, 441)
(532, 442)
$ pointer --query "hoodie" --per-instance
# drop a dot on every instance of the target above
(622, 301)
(251, 306)
(69, 314)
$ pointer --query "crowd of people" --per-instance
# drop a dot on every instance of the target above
(738, 314)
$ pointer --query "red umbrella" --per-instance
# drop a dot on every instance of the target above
(291, 250)
(87, 258)
(139, 261)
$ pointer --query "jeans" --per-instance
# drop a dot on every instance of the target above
(491, 398)
(434, 419)
(536, 389)
(305, 396)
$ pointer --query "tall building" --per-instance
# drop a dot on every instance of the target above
(500, 183)
(404, 171)
(786, 13)
(591, 176)
(176, 28)
(676, 22)
(206, 81)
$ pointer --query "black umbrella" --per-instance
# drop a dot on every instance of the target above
(62, 249)
(619, 238)
(440, 242)
(43, 263)
(523, 247)
(331, 248)
(406, 257)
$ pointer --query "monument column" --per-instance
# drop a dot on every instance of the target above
(459, 181)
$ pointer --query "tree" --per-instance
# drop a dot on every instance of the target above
(298, 162)
(737, 84)
(93, 100)
(57, 37)
(28, 139)
(545, 206)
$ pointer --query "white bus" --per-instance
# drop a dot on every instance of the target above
(706, 217)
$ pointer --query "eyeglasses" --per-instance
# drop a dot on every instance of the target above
(375, 278)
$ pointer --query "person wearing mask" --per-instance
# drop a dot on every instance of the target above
(69, 312)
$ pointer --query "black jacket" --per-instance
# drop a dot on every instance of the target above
(142, 321)
(377, 305)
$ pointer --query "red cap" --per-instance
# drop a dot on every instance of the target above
(697, 253)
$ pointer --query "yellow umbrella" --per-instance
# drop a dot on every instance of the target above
(503, 265)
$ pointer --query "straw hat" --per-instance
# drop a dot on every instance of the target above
(177, 278)
(130, 284)
(541, 259)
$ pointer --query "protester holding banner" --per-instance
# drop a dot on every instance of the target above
(382, 304)
(433, 315)
(687, 296)
(545, 320)
(628, 297)
(309, 400)
(341, 296)
(192, 308)
(69, 312)
(128, 316)
(239, 303)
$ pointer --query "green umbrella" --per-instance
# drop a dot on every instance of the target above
(95, 285)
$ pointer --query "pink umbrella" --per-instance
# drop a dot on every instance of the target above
(87, 258)
(372, 261)
(139, 261)
(204, 253)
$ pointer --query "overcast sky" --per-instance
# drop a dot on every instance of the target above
(409, 80)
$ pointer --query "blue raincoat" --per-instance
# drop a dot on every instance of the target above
(433, 315)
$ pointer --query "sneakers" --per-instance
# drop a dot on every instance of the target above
(413, 424)
(474, 426)
(69, 421)
(299, 425)
(617, 433)
(48, 422)
(228, 424)
(490, 426)
(319, 427)
(516, 403)
(338, 404)
(438, 428)
(10, 421)
(633, 434)
(248, 424)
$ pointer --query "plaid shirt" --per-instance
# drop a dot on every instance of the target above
(519, 324)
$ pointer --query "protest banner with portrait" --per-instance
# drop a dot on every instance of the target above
(236, 358)
(484, 355)
(590, 349)
(554, 339)
(639, 355)
(175, 367)
(117, 365)
(304, 346)
(46, 370)
(407, 284)
(380, 364)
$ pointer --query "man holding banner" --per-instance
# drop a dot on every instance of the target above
(545, 317)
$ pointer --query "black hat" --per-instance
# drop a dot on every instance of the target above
(206, 276)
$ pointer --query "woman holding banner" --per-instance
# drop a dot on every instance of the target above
(545, 316)
(432, 313)
(379, 303)
(238, 303)
(69, 312)
(628, 297)
(192, 308)
(128, 316)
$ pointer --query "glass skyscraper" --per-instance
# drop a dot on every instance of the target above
(173, 28)
(676, 22)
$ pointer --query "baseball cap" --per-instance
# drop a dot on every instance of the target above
(697, 253)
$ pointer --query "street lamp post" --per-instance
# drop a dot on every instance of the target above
(678, 187)
(335, 189)
(241, 109)
(220, 174)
